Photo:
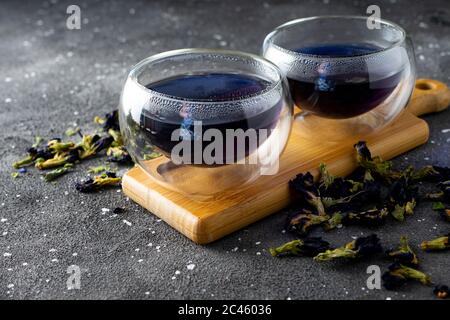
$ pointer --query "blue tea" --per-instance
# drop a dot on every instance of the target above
(342, 95)
(208, 87)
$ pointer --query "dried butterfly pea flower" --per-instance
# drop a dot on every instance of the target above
(371, 217)
(98, 169)
(111, 121)
(398, 274)
(438, 206)
(432, 174)
(441, 243)
(376, 165)
(336, 187)
(357, 204)
(326, 179)
(62, 154)
(33, 154)
(305, 247)
(117, 136)
(404, 254)
(443, 195)
(343, 252)
(359, 248)
(333, 222)
(301, 222)
(58, 160)
(441, 291)
(24, 162)
(443, 210)
(402, 198)
(445, 214)
(399, 211)
(91, 145)
(303, 185)
(119, 155)
(98, 182)
(56, 146)
(54, 174)
(340, 203)
(443, 173)
(438, 195)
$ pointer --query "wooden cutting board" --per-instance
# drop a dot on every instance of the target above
(204, 222)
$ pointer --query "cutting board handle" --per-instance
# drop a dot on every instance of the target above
(429, 96)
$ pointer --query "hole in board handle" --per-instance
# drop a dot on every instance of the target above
(425, 85)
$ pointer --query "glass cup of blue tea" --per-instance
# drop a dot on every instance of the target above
(205, 122)
(349, 76)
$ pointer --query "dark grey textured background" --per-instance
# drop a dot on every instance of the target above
(51, 77)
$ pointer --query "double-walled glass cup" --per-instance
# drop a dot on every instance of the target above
(205, 145)
(349, 75)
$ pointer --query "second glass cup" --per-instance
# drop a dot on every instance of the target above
(219, 119)
(347, 79)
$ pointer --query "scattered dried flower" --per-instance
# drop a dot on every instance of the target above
(404, 254)
(398, 274)
(54, 174)
(440, 243)
(107, 179)
(441, 291)
(361, 247)
(309, 247)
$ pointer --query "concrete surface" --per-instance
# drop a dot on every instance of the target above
(52, 77)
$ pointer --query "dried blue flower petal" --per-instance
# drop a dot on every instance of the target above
(359, 248)
(302, 221)
(404, 254)
(119, 155)
(107, 179)
(111, 121)
(442, 291)
(309, 247)
(54, 174)
(437, 244)
(402, 198)
(371, 217)
(398, 274)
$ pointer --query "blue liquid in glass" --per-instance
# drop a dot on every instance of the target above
(343, 95)
(209, 87)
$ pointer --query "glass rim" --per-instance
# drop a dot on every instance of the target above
(133, 74)
(269, 37)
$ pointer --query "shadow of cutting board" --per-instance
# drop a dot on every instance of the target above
(204, 222)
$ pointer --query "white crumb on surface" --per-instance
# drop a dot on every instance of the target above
(190, 266)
